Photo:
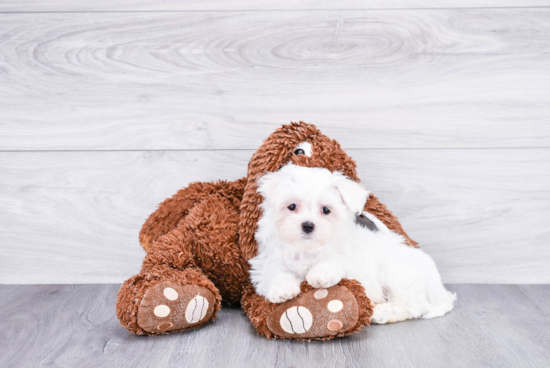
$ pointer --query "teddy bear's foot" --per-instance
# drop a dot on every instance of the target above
(168, 306)
(317, 313)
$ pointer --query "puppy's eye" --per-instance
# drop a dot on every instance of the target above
(292, 207)
(299, 151)
(326, 211)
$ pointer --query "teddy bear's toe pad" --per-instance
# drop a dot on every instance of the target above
(168, 306)
(316, 313)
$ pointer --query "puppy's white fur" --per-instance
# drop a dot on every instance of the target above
(402, 281)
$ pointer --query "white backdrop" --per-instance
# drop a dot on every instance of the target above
(103, 115)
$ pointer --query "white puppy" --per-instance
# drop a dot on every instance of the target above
(312, 228)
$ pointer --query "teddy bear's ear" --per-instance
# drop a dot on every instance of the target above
(354, 195)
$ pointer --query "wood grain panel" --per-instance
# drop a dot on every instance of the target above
(75, 326)
(224, 80)
(174, 5)
(74, 217)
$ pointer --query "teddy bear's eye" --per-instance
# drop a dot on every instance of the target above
(292, 207)
(299, 151)
(326, 211)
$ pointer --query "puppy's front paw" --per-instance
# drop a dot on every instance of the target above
(283, 290)
(388, 313)
(323, 277)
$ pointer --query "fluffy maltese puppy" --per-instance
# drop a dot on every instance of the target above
(313, 228)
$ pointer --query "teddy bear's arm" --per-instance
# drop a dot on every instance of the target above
(170, 212)
(380, 210)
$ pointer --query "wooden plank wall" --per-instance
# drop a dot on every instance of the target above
(107, 108)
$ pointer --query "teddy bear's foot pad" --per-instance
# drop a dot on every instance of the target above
(316, 313)
(168, 306)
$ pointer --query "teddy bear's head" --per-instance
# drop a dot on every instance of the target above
(299, 143)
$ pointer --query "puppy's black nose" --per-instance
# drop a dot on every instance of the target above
(308, 227)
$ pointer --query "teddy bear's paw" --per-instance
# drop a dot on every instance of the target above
(168, 306)
(315, 314)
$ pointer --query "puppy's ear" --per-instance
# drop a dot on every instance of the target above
(353, 194)
(268, 184)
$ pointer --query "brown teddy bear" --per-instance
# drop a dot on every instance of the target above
(198, 244)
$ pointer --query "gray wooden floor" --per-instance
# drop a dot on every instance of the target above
(75, 326)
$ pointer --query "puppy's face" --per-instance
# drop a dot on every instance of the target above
(308, 219)
(308, 208)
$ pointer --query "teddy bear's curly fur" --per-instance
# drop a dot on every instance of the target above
(199, 241)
